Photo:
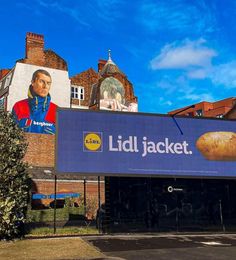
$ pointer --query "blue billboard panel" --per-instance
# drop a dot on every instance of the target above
(107, 143)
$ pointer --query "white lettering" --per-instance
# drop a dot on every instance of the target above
(185, 145)
(178, 148)
(130, 145)
(111, 148)
(164, 147)
(168, 146)
(158, 147)
(42, 123)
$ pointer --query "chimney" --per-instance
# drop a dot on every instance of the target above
(34, 46)
(101, 64)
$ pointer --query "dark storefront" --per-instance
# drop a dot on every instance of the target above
(181, 170)
(167, 204)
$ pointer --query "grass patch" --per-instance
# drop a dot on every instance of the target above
(45, 231)
(48, 249)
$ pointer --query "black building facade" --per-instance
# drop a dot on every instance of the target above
(148, 204)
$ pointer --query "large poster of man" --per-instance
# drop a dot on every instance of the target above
(34, 95)
(37, 113)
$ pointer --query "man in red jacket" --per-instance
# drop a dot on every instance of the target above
(37, 114)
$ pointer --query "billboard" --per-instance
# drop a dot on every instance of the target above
(107, 143)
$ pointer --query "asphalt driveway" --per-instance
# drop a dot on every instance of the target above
(166, 246)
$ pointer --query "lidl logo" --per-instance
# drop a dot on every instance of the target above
(92, 141)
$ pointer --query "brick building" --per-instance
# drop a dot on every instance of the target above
(81, 85)
(14, 82)
(231, 114)
(86, 87)
(218, 109)
(75, 92)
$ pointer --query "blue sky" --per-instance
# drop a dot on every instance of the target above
(175, 52)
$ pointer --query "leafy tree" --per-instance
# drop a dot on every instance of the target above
(14, 180)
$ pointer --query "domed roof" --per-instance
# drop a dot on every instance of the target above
(110, 67)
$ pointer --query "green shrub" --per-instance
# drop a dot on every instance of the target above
(14, 180)
(47, 215)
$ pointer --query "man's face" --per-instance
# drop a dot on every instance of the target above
(41, 85)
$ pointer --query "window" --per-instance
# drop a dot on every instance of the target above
(199, 112)
(7, 80)
(1, 84)
(77, 92)
(190, 114)
(2, 103)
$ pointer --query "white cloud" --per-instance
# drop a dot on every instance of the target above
(179, 90)
(198, 97)
(224, 74)
(195, 61)
(190, 93)
(198, 74)
(187, 55)
(165, 102)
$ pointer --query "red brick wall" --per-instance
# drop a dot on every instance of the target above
(228, 102)
(52, 60)
(210, 109)
(85, 79)
(217, 111)
(47, 187)
(101, 64)
(232, 115)
(40, 151)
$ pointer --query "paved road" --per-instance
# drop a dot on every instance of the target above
(167, 246)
